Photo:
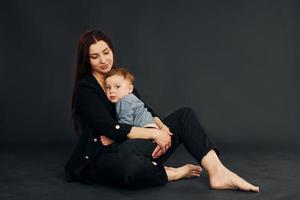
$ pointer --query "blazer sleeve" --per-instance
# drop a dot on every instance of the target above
(137, 94)
(94, 112)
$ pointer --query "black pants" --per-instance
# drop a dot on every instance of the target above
(130, 163)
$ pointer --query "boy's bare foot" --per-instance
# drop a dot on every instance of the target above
(226, 179)
(185, 171)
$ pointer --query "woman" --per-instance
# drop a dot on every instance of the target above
(136, 156)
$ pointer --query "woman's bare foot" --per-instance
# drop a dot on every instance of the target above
(185, 171)
(226, 179)
(222, 178)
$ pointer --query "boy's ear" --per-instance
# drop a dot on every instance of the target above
(131, 86)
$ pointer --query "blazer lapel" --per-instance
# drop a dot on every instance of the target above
(102, 95)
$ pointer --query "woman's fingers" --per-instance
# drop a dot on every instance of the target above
(167, 146)
(163, 140)
(169, 132)
(159, 153)
(156, 152)
(166, 129)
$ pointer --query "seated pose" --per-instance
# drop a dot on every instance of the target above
(131, 110)
(127, 161)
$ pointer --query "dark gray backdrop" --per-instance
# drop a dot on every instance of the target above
(235, 62)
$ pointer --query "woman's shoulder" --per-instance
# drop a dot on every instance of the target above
(87, 81)
(89, 85)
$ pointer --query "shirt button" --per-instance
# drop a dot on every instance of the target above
(86, 157)
(117, 126)
(95, 139)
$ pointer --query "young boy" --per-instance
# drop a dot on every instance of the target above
(129, 108)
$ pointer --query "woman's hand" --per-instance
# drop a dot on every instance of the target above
(163, 140)
(160, 136)
(105, 140)
(162, 126)
(166, 129)
(157, 152)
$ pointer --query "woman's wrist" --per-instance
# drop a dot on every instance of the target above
(154, 134)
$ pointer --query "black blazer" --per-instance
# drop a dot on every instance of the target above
(98, 117)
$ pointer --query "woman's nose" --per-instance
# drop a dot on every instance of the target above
(101, 59)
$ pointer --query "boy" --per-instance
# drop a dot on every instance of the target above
(129, 108)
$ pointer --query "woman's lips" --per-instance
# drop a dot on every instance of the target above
(104, 66)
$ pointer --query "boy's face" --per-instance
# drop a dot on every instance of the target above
(117, 87)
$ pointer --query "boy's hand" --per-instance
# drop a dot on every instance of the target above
(105, 140)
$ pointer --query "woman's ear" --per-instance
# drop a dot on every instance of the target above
(131, 86)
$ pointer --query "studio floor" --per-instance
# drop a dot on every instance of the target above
(36, 172)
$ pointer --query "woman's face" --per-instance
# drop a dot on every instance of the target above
(101, 57)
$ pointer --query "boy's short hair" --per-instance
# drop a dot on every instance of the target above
(121, 72)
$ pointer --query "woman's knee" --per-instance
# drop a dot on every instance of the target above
(187, 117)
(186, 111)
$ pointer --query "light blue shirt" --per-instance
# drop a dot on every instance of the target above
(131, 110)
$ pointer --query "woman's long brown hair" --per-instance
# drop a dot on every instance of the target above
(83, 66)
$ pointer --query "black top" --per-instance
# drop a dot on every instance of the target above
(98, 117)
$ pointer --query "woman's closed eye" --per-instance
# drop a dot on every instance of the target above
(105, 52)
(94, 57)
